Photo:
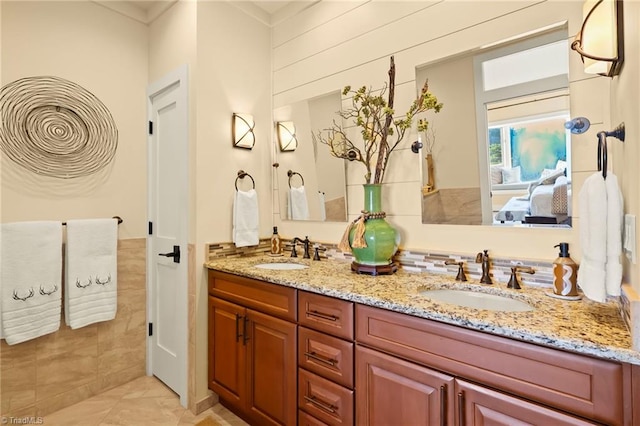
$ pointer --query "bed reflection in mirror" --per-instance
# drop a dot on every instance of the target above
(499, 151)
(311, 183)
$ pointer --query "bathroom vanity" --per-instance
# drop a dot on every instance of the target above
(323, 346)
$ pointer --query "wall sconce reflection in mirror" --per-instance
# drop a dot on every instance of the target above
(600, 41)
(242, 127)
(287, 135)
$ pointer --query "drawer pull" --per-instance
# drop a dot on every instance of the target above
(461, 408)
(443, 405)
(320, 404)
(238, 334)
(328, 317)
(328, 361)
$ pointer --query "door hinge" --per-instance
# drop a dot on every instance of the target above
(150, 329)
(150, 228)
(150, 127)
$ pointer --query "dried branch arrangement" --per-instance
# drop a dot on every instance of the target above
(380, 132)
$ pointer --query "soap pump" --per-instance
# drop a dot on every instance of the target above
(276, 243)
(565, 273)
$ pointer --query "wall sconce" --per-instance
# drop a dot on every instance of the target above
(600, 41)
(287, 135)
(242, 128)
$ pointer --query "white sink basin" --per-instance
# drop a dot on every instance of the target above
(281, 266)
(470, 299)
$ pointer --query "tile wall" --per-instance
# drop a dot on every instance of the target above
(43, 375)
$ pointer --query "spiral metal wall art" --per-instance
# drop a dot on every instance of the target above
(56, 128)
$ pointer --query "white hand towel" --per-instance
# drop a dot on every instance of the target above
(614, 236)
(592, 205)
(246, 221)
(91, 284)
(298, 206)
(600, 204)
(30, 279)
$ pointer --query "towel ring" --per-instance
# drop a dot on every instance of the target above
(618, 133)
(241, 175)
(602, 154)
(291, 173)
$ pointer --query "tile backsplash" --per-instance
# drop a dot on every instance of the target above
(410, 260)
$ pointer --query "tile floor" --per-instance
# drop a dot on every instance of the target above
(145, 401)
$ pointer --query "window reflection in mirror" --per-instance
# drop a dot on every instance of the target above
(529, 161)
(500, 135)
(316, 187)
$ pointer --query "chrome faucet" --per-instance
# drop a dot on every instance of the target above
(483, 257)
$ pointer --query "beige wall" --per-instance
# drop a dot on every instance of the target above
(106, 53)
(233, 66)
(330, 45)
(624, 108)
(455, 152)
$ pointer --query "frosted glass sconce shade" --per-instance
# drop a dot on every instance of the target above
(243, 136)
(287, 136)
(600, 41)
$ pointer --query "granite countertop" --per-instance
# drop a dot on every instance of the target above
(582, 326)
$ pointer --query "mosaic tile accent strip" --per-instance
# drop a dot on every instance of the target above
(225, 250)
(411, 260)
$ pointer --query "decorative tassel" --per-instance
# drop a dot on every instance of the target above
(344, 242)
(358, 236)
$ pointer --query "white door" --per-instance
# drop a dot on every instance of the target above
(168, 231)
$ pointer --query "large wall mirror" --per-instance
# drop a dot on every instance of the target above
(312, 184)
(498, 153)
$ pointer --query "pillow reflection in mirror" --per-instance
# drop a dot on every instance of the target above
(496, 175)
(511, 175)
(551, 178)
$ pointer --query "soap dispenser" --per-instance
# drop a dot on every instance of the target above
(565, 273)
(276, 243)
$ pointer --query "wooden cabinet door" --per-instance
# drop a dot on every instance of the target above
(227, 363)
(391, 391)
(271, 354)
(480, 406)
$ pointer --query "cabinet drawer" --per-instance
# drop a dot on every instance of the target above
(477, 405)
(305, 419)
(273, 299)
(326, 355)
(325, 400)
(588, 387)
(326, 314)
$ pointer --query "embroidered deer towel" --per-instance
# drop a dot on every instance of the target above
(30, 279)
(91, 281)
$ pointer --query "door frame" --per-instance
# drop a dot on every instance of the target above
(178, 76)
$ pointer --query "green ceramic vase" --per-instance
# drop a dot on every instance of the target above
(381, 238)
